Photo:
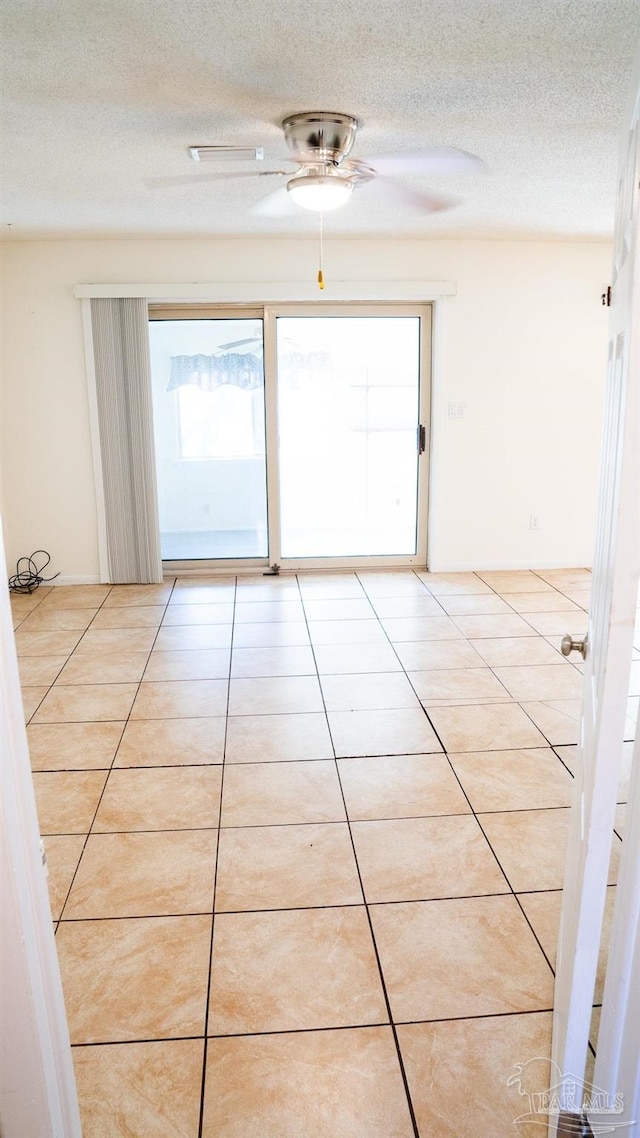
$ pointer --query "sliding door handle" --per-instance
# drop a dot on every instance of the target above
(422, 439)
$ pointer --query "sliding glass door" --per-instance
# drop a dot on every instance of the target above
(348, 410)
(209, 422)
(293, 435)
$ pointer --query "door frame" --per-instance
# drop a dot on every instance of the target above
(269, 314)
(616, 573)
(37, 1085)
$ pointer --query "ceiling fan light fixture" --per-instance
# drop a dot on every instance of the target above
(320, 192)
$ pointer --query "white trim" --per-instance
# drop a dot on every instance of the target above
(78, 579)
(270, 292)
(423, 498)
(617, 1068)
(438, 315)
(435, 444)
(272, 471)
(606, 680)
(502, 566)
(38, 1095)
(94, 428)
(254, 565)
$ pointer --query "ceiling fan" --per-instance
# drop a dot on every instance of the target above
(320, 143)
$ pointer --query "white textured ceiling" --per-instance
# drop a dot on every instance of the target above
(100, 95)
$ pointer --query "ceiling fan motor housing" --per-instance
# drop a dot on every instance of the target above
(320, 137)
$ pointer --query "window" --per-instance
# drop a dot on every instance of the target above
(225, 423)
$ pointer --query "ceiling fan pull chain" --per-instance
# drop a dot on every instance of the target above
(320, 273)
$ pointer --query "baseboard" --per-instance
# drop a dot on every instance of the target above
(435, 567)
(76, 579)
(500, 566)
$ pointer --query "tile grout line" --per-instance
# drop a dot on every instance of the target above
(165, 611)
(545, 737)
(54, 653)
(193, 766)
(215, 876)
(75, 649)
(108, 769)
(554, 748)
(474, 814)
(311, 1030)
(446, 753)
(36, 606)
(404, 670)
(86, 836)
(29, 721)
(400, 1023)
(401, 1065)
(499, 863)
(510, 699)
(538, 573)
(311, 908)
(524, 617)
(325, 822)
(503, 870)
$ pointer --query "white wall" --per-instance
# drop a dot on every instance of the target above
(522, 345)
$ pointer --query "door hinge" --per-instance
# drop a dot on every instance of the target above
(605, 299)
(422, 439)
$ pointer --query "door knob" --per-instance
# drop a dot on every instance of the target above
(569, 645)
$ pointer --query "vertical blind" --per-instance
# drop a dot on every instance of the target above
(125, 415)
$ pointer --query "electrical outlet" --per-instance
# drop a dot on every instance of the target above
(457, 410)
(534, 522)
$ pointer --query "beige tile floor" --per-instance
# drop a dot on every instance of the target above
(305, 841)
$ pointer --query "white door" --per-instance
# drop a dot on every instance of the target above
(37, 1085)
(616, 573)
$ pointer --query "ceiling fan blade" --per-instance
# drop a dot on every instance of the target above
(277, 204)
(214, 176)
(435, 160)
(424, 200)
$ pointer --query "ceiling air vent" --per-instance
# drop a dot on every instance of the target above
(226, 153)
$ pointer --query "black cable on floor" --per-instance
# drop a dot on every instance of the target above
(28, 576)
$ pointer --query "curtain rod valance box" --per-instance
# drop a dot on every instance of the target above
(269, 292)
